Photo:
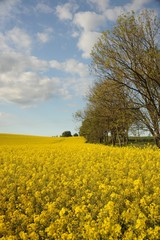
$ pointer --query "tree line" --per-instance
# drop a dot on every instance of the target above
(126, 92)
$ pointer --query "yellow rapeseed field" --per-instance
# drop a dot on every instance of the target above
(62, 188)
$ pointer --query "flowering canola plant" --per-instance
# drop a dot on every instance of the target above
(63, 188)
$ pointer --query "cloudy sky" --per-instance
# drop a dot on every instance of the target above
(44, 57)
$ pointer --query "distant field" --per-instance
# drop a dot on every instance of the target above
(61, 188)
(23, 139)
(141, 141)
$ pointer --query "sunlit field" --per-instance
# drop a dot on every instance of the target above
(63, 188)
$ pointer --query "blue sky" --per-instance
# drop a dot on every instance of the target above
(45, 55)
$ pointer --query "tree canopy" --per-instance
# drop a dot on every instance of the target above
(126, 63)
(66, 134)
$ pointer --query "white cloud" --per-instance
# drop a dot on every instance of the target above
(112, 14)
(65, 12)
(75, 34)
(86, 42)
(28, 88)
(45, 36)
(43, 8)
(137, 4)
(23, 81)
(89, 21)
(72, 67)
(3, 43)
(18, 39)
(12, 61)
(55, 64)
(24, 78)
(100, 4)
(8, 7)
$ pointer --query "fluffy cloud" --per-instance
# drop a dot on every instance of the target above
(100, 4)
(71, 66)
(77, 77)
(86, 42)
(89, 21)
(65, 12)
(24, 78)
(75, 67)
(112, 13)
(12, 61)
(8, 7)
(16, 38)
(75, 34)
(45, 36)
(28, 87)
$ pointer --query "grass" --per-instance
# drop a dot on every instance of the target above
(141, 141)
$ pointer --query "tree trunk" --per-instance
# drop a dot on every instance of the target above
(106, 138)
(113, 137)
(157, 140)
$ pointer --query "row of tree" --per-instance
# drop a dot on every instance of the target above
(126, 63)
(69, 134)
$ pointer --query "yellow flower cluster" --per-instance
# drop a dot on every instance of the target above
(62, 188)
